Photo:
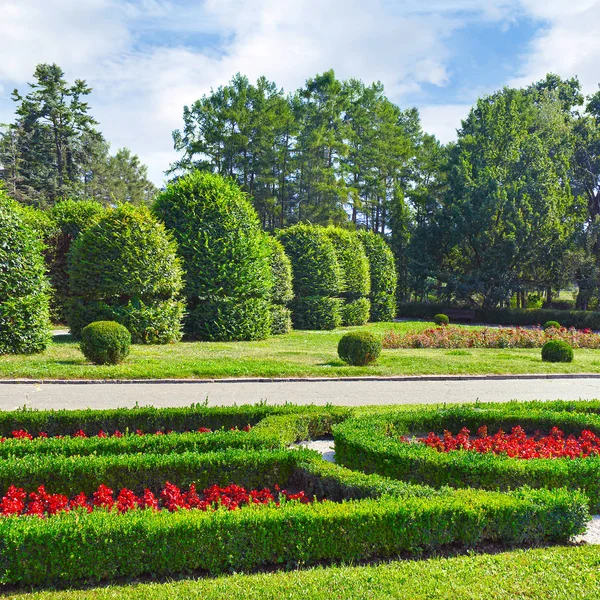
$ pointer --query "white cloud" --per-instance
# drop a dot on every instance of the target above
(443, 120)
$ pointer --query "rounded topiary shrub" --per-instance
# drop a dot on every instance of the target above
(384, 277)
(359, 348)
(551, 325)
(356, 312)
(557, 351)
(225, 255)
(282, 292)
(105, 342)
(441, 319)
(125, 268)
(317, 278)
(24, 300)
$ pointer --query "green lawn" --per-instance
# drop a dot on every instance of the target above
(298, 354)
(546, 573)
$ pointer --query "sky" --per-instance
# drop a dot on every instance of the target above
(146, 59)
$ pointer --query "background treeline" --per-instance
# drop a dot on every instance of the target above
(507, 215)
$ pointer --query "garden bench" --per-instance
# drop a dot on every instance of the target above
(458, 314)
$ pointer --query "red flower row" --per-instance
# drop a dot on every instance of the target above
(41, 503)
(518, 444)
(22, 434)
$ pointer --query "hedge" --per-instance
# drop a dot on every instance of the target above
(126, 266)
(225, 256)
(384, 278)
(372, 444)
(581, 319)
(24, 299)
(76, 548)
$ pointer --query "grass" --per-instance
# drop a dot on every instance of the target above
(297, 354)
(560, 572)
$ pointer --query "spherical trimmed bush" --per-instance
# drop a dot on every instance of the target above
(557, 351)
(105, 342)
(441, 319)
(359, 348)
(551, 325)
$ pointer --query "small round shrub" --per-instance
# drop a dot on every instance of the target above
(557, 351)
(356, 312)
(441, 319)
(316, 313)
(105, 342)
(359, 348)
(551, 325)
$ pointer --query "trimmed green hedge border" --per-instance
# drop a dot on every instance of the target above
(371, 444)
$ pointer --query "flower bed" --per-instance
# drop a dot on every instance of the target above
(453, 337)
(517, 444)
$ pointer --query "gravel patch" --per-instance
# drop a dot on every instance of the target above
(592, 535)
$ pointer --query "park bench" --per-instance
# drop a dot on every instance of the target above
(459, 314)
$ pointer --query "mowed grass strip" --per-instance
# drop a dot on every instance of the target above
(297, 354)
(559, 572)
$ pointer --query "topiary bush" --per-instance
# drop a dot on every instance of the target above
(551, 325)
(356, 312)
(384, 277)
(283, 291)
(24, 299)
(225, 255)
(359, 348)
(557, 351)
(105, 342)
(356, 279)
(125, 268)
(317, 277)
(441, 319)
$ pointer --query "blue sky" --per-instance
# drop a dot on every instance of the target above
(146, 59)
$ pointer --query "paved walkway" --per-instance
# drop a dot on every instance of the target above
(351, 393)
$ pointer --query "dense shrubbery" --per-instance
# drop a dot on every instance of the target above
(317, 277)
(441, 319)
(105, 342)
(359, 348)
(383, 276)
(356, 312)
(551, 324)
(283, 291)
(225, 255)
(24, 301)
(125, 268)
(557, 351)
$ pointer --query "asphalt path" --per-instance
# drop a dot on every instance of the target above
(320, 392)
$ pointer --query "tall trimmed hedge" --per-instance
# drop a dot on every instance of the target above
(125, 268)
(283, 291)
(356, 277)
(225, 255)
(24, 300)
(384, 278)
(317, 277)
(70, 218)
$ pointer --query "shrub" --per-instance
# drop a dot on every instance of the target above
(316, 312)
(281, 319)
(359, 348)
(225, 255)
(24, 301)
(125, 268)
(551, 325)
(356, 312)
(283, 291)
(105, 342)
(70, 218)
(384, 278)
(441, 319)
(557, 351)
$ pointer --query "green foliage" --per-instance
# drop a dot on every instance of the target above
(359, 348)
(383, 276)
(353, 262)
(281, 319)
(441, 319)
(557, 351)
(356, 312)
(316, 312)
(24, 316)
(125, 268)
(105, 342)
(373, 445)
(551, 325)
(225, 255)
(281, 266)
